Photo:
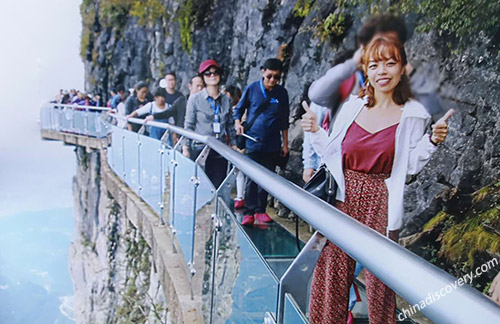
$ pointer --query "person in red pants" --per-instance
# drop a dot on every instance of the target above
(377, 139)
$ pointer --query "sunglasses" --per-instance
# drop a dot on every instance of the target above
(276, 77)
(210, 73)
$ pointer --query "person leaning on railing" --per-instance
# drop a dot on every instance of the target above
(136, 101)
(377, 139)
(209, 113)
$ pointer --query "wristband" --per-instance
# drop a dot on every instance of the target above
(432, 142)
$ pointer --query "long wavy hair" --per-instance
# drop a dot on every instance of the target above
(383, 48)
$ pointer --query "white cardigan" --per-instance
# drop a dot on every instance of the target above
(413, 150)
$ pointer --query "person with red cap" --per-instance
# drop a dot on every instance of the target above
(209, 113)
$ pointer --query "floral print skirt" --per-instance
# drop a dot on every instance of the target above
(366, 200)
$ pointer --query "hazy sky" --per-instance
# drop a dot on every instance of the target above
(40, 54)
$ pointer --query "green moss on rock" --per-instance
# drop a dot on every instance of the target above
(302, 8)
(439, 218)
(185, 18)
(459, 18)
(464, 240)
(148, 11)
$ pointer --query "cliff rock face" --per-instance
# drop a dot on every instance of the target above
(241, 34)
(110, 263)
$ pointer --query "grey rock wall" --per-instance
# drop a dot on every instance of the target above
(110, 263)
(241, 34)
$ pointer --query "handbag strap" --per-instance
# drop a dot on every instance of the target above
(259, 111)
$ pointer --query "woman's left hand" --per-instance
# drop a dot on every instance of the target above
(440, 128)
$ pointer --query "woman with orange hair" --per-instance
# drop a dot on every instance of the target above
(377, 139)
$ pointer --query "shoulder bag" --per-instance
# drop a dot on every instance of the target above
(322, 185)
(240, 139)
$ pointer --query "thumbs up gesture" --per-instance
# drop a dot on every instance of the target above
(309, 119)
(440, 128)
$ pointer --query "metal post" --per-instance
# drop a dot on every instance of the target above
(139, 173)
(162, 152)
(196, 182)
(142, 130)
(296, 278)
(172, 197)
(224, 190)
(215, 248)
(123, 156)
(172, 189)
(164, 138)
(202, 157)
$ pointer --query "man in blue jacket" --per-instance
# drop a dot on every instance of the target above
(269, 132)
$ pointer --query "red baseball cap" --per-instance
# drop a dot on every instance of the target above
(205, 65)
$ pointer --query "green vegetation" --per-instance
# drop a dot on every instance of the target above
(88, 18)
(458, 18)
(332, 26)
(148, 11)
(439, 218)
(459, 243)
(134, 306)
(328, 28)
(114, 13)
(302, 8)
(464, 240)
(186, 22)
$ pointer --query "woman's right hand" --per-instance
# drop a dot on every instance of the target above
(309, 119)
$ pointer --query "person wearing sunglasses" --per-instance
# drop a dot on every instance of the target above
(268, 109)
(209, 113)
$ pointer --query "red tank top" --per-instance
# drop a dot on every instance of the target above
(365, 152)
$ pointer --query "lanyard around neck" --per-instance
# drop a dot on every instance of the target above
(261, 83)
(215, 106)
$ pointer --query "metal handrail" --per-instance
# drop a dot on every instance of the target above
(410, 276)
(79, 106)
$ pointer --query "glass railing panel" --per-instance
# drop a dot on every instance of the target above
(292, 313)
(116, 154)
(66, 119)
(45, 122)
(80, 121)
(167, 158)
(97, 125)
(166, 216)
(55, 118)
(245, 288)
(206, 190)
(131, 165)
(151, 172)
(182, 218)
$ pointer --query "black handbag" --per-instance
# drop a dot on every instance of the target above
(241, 141)
(322, 185)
